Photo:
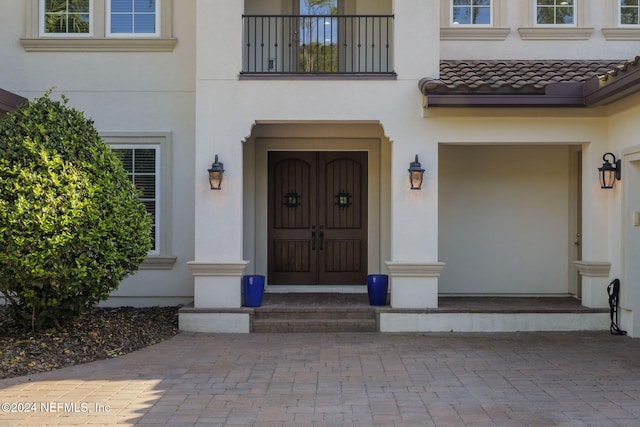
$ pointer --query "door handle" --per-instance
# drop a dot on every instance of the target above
(321, 237)
(313, 238)
(578, 241)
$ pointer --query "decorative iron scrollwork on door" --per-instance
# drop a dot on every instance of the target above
(291, 199)
(343, 199)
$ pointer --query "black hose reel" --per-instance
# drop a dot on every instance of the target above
(614, 293)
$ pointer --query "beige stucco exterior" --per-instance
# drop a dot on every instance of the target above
(498, 213)
(131, 96)
(624, 225)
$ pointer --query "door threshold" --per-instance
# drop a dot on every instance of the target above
(315, 289)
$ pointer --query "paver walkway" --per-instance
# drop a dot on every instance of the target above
(512, 379)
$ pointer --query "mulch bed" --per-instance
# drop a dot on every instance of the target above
(101, 333)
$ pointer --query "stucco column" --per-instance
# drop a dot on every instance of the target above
(415, 285)
(594, 268)
(595, 279)
(217, 284)
(414, 267)
(218, 265)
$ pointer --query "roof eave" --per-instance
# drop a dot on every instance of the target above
(603, 91)
(615, 84)
(554, 95)
(502, 101)
(9, 101)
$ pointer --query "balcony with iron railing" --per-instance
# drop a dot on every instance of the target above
(308, 45)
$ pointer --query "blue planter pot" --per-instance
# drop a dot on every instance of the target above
(377, 288)
(253, 289)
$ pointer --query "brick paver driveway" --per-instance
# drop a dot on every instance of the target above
(528, 379)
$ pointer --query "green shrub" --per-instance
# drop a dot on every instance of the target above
(71, 224)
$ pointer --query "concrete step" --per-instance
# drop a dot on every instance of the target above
(318, 313)
(314, 319)
(313, 325)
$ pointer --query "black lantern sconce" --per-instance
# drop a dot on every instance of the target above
(610, 173)
(416, 174)
(215, 174)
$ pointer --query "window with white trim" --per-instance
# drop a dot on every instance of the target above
(99, 25)
(146, 157)
(128, 18)
(624, 21)
(557, 20)
(65, 17)
(555, 12)
(142, 164)
(629, 12)
(473, 20)
(471, 12)
(132, 18)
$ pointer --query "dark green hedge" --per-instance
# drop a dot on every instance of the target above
(71, 224)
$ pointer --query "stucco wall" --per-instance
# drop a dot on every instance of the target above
(223, 125)
(125, 92)
(504, 219)
(363, 7)
(515, 15)
(208, 110)
(260, 7)
(623, 201)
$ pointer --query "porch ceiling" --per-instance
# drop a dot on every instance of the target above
(547, 83)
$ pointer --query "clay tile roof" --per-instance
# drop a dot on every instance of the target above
(620, 69)
(514, 76)
(616, 83)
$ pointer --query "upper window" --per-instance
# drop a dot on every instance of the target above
(624, 23)
(555, 12)
(557, 20)
(99, 25)
(473, 20)
(65, 17)
(471, 12)
(132, 17)
(629, 12)
(123, 17)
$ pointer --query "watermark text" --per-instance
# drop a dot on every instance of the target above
(53, 407)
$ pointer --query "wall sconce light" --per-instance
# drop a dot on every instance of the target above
(416, 174)
(215, 174)
(609, 173)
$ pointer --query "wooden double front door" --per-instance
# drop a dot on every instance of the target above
(317, 218)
